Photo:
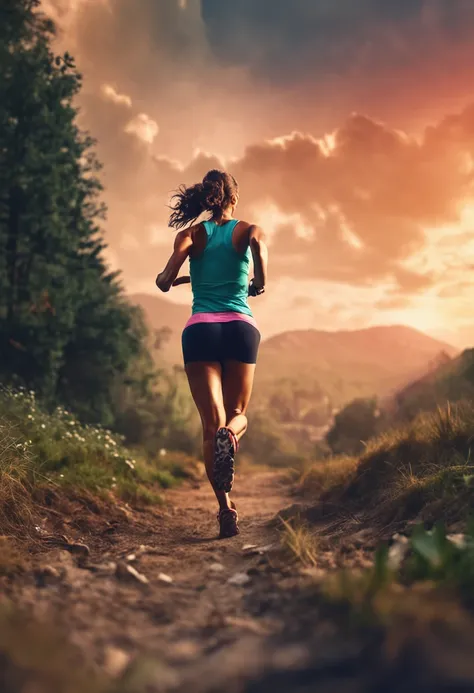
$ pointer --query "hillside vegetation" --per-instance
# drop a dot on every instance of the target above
(46, 455)
(422, 471)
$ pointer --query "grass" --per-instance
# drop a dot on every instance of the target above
(299, 542)
(422, 469)
(39, 449)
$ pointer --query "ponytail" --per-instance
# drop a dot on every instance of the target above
(213, 195)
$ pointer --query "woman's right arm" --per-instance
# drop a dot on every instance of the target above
(182, 247)
(259, 255)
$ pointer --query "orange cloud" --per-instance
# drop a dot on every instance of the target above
(143, 127)
(113, 95)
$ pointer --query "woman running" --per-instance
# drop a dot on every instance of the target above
(221, 339)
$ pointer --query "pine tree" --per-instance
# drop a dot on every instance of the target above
(65, 328)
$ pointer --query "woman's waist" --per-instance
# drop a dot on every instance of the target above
(228, 288)
(221, 316)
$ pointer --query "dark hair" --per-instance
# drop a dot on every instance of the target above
(213, 195)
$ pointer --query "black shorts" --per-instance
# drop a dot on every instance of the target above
(221, 341)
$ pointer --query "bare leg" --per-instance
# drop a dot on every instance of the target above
(237, 384)
(206, 388)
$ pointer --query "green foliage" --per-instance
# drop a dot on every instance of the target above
(65, 328)
(267, 443)
(359, 421)
(436, 557)
(37, 448)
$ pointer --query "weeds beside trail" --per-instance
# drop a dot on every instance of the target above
(422, 471)
(45, 456)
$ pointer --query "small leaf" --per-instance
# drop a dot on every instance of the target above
(425, 544)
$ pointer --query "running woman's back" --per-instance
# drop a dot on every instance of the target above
(220, 275)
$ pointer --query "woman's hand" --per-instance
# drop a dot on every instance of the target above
(162, 282)
(182, 246)
(255, 290)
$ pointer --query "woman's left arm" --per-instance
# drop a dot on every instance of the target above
(182, 247)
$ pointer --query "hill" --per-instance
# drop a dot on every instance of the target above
(452, 380)
(303, 375)
(349, 364)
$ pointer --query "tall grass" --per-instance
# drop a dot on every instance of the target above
(16, 465)
(429, 460)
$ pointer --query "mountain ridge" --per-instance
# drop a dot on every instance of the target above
(345, 363)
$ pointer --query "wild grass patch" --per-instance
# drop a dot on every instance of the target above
(300, 543)
(53, 448)
(430, 459)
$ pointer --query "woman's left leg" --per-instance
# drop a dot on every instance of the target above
(206, 388)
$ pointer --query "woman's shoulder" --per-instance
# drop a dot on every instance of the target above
(244, 226)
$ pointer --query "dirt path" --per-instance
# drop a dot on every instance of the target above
(198, 630)
(204, 610)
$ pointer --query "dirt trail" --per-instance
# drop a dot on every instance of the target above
(204, 634)
(183, 623)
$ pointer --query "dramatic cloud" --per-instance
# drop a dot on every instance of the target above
(368, 215)
(360, 210)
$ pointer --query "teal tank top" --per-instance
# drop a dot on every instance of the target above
(220, 275)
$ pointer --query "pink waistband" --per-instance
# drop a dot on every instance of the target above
(220, 317)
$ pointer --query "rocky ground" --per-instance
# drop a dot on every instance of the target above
(157, 604)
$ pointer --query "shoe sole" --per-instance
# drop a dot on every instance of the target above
(224, 453)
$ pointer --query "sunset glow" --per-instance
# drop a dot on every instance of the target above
(356, 162)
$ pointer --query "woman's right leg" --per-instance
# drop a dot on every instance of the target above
(237, 385)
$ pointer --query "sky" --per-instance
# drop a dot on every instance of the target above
(349, 126)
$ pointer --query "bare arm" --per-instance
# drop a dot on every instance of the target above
(259, 255)
(182, 247)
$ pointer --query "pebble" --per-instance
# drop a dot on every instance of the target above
(216, 567)
(115, 661)
(239, 579)
(162, 577)
(128, 572)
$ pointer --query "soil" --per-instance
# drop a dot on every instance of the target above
(205, 615)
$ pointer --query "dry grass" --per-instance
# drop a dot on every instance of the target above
(16, 507)
(327, 475)
(426, 462)
(299, 542)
